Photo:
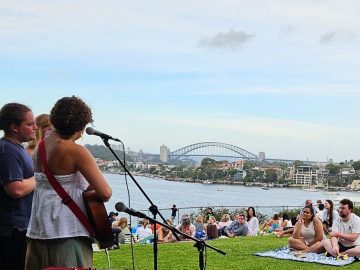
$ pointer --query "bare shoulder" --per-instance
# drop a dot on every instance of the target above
(79, 149)
(317, 221)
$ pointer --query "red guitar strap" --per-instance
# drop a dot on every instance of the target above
(66, 199)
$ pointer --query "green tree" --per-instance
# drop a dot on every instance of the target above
(232, 172)
(271, 175)
(248, 165)
(207, 162)
(333, 168)
(282, 180)
(356, 165)
(259, 175)
(298, 163)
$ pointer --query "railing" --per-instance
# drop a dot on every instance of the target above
(266, 210)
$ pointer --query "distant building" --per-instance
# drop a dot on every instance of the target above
(304, 176)
(261, 156)
(164, 153)
(347, 172)
(240, 175)
(322, 174)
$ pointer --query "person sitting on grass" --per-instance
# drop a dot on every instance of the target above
(345, 234)
(200, 227)
(329, 215)
(186, 227)
(252, 221)
(237, 227)
(209, 213)
(308, 233)
(124, 234)
(320, 213)
(144, 233)
(286, 229)
(164, 234)
(211, 228)
(273, 223)
(225, 221)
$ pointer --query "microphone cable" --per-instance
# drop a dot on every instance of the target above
(205, 261)
(130, 219)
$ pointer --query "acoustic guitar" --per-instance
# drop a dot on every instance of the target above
(98, 218)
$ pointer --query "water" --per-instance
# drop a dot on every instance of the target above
(185, 195)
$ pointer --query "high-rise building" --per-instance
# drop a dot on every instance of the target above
(164, 153)
(261, 156)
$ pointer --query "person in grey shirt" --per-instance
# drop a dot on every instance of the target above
(237, 227)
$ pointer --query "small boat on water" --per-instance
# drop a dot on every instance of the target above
(265, 188)
(207, 182)
(310, 189)
(331, 193)
(219, 189)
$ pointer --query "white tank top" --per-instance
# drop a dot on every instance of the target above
(308, 233)
(50, 218)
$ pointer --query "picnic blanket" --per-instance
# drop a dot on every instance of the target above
(286, 254)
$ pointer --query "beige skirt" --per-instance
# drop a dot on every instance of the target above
(61, 252)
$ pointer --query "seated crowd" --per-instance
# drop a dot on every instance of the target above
(316, 229)
(204, 227)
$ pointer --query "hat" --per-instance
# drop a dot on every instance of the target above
(185, 216)
(113, 213)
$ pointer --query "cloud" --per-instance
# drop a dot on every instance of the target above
(287, 30)
(337, 36)
(226, 40)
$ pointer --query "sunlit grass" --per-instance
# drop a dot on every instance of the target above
(184, 256)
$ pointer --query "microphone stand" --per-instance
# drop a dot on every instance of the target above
(199, 243)
(153, 208)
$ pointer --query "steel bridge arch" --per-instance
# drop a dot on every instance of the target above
(189, 148)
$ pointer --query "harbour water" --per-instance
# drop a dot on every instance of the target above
(165, 193)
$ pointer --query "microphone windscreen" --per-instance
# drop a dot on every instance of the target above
(120, 207)
(89, 130)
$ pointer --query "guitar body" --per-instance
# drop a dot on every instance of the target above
(99, 219)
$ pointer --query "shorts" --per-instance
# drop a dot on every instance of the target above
(343, 248)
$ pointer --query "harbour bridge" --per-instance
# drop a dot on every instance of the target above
(222, 150)
(213, 149)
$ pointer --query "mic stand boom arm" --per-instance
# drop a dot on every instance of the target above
(199, 243)
(153, 208)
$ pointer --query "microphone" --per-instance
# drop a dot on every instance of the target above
(121, 207)
(91, 131)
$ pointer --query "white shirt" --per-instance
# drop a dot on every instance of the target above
(143, 232)
(50, 218)
(349, 227)
(320, 214)
(253, 226)
(325, 215)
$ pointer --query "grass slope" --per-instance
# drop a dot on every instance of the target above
(184, 256)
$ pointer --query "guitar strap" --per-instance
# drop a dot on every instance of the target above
(66, 199)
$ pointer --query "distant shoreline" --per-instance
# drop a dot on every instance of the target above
(238, 183)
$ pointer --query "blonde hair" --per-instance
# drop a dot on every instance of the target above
(42, 121)
(199, 219)
(225, 217)
(123, 222)
(169, 221)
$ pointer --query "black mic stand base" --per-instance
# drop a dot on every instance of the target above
(200, 245)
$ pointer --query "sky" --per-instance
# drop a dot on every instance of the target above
(276, 76)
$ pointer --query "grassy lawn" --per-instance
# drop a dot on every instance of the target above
(184, 256)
